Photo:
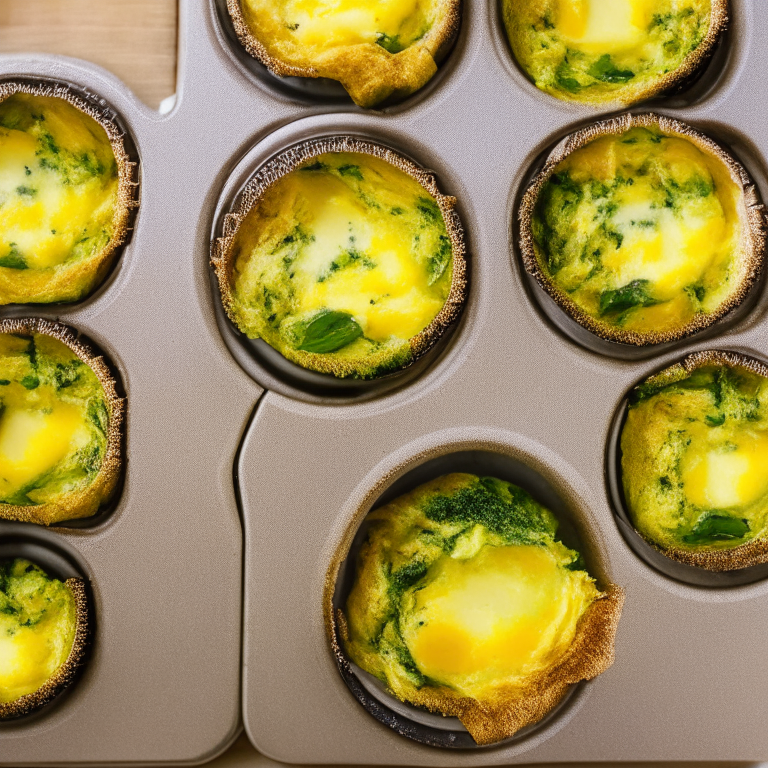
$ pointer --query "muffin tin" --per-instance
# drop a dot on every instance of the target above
(197, 556)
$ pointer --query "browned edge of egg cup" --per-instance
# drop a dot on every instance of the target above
(128, 184)
(754, 552)
(439, 40)
(591, 653)
(679, 78)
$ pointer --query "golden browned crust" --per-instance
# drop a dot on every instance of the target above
(93, 270)
(509, 710)
(223, 257)
(752, 215)
(369, 79)
(66, 673)
(753, 552)
(85, 502)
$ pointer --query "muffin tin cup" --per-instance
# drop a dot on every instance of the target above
(593, 334)
(162, 681)
(18, 540)
(264, 363)
(111, 474)
(128, 164)
(252, 58)
(673, 567)
(434, 729)
(695, 70)
(306, 468)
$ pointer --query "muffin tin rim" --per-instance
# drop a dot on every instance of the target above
(680, 80)
(231, 21)
(533, 458)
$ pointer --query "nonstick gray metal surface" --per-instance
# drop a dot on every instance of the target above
(163, 685)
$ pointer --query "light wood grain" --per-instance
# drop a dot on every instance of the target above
(134, 39)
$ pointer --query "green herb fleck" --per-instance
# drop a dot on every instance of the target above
(328, 331)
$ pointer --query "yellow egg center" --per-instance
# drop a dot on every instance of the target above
(390, 299)
(27, 660)
(35, 441)
(365, 248)
(36, 632)
(501, 615)
(604, 26)
(50, 208)
(726, 476)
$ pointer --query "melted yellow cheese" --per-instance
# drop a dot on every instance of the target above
(725, 476)
(37, 634)
(58, 184)
(504, 614)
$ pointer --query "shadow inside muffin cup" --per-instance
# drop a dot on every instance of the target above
(258, 358)
(707, 78)
(556, 316)
(321, 90)
(414, 722)
(682, 572)
(59, 561)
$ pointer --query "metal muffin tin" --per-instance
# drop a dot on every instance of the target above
(238, 500)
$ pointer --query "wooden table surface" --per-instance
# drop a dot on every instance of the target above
(134, 39)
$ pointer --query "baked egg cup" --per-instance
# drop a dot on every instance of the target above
(693, 450)
(379, 51)
(613, 52)
(68, 193)
(466, 604)
(643, 230)
(344, 257)
(44, 631)
(61, 425)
